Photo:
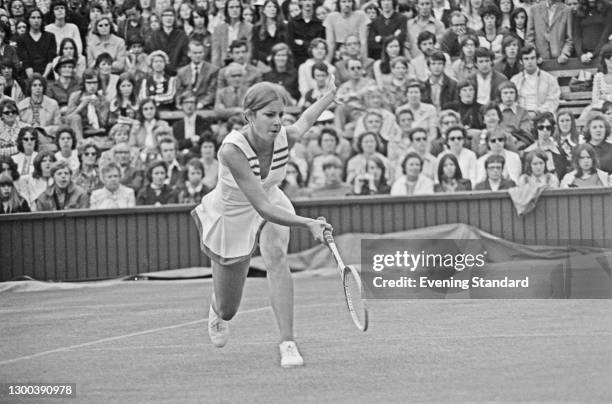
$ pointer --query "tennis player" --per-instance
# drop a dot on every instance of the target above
(247, 207)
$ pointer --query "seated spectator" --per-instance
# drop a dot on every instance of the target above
(518, 25)
(419, 67)
(566, 134)
(37, 48)
(467, 107)
(546, 144)
(420, 146)
(10, 125)
(121, 154)
(447, 119)
(471, 8)
(66, 82)
(538, 90)
(108, 80)
(302, 29)
(188, 130)
(491, 37)
(293, 185)
(208, 153)
(239, 53)
(400, 147)
(486, 80)
(10, 200)
(38, 110)
(592, 29)
(61, 28)
(597, 132)
(320, 74)
(63, 194)
(602, 81)
(318, 52)
(395, 89)
(425, 115)
(386, 127)
(7, 165)
(374, 180)
(192, 189)
(450, 42)
(158, 192)
(586, 173)
(391, 48)
(113, 195)
(339, 24)
(198, 76)
(494, 181)
(328, 141)
(124, 107)
(270, 30)
(514, 117)
(168, 153)
(509, 65)
(282, 70)
(134, 25)
(356, 87)
(27, 145)
(353, 51)
(439, 89)
(450, 176)
(136, 61)
(506, 7)
(67, 50)
(413, 182)
(88, 110)
(234, 25)
(103, 40)
(495, 143)
(423, 22)
(455, 144)
(551, 39)
(40, 179)
(492, 119)
(536, 171)
(367, 144)
(12, 88)
(333, 185)
(87, 176)
(159, 85)
(67, 148)
(465, 66)
(228, 100)
(120, 133)
(142, 134)
(170, 40)
(198, 20)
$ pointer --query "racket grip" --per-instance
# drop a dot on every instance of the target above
(327, 234)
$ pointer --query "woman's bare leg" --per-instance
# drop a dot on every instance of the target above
(228, 284)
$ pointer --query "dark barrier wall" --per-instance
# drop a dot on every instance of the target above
(97, 244)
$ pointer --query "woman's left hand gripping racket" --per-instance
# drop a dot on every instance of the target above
(351, 282)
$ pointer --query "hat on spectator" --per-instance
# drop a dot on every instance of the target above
(327, 115)
(64, 60)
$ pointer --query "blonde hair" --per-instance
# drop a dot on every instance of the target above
(259, 95)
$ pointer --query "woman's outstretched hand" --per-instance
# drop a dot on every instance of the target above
(316, 228)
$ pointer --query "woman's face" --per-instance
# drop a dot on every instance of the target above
(45, 166)
(68, 50)
(392, 49)
(184, 11)
(37, 88)
(247, 15)
(319, 52)
(399, 70)
(413, 167)
(489, 21)
(565, 124)
(545, 129)
(413, 95)
(207, 150)
(154, 23)
(321, 13)
(491, 118)
(371, 12)
(280, 59)
(585, 161)
(469, 48)
(5, 168)
(122, 136)
(496, 143)
(267, 121)
(198, 20)
(519, 20)
(126, 88)
(597, 128)
(405, 122)
(194, 175)
(35, 20)
(158, 175)
(17, 9)
(148, 111)
(294, 10)
(103, 27)
(29, 143)
(65, 141)
(538, 167)
(328, 143)
(94, 14)
(466, 94)
(89, 156)
(5, 191)
(9, 115)
(449, 168)
(233, 9)
(512, 50)
(505, 6)
(61, 178)
(105, 68)
(270, 10)
(374, 169)
(21, 28)
(158, 64)
(368, 144)
(373, 123)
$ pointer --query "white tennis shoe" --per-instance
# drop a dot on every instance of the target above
(290, 356)
(218, 329)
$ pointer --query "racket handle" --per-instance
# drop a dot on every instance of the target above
(327, 234)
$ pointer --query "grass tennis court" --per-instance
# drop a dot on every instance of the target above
(146, 342)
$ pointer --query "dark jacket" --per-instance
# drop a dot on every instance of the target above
(384, 27)
(178, 130)
(76, 198)
(496, 80)
(22, 208)
(147, 196)
(448, 93)
(297, 28)
(485, 186)
(462, 185)
(287, 79)
(261, 46)
(175, 44)
(37, 55)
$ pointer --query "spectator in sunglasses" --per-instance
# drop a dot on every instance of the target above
(547, 145)
(10, 125)
(495, 142)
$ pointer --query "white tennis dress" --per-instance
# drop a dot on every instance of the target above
(228, 224)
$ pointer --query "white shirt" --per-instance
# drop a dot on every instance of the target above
(529, 92)
(190, 128)
(484, 89)
(123, 197)
(69, 30)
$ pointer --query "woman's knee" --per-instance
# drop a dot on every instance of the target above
(274, 243)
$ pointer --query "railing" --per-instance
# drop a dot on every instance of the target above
(98, 244)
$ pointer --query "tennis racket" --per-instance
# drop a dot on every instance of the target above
(351, 283)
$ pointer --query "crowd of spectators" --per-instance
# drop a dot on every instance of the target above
(117, 103)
